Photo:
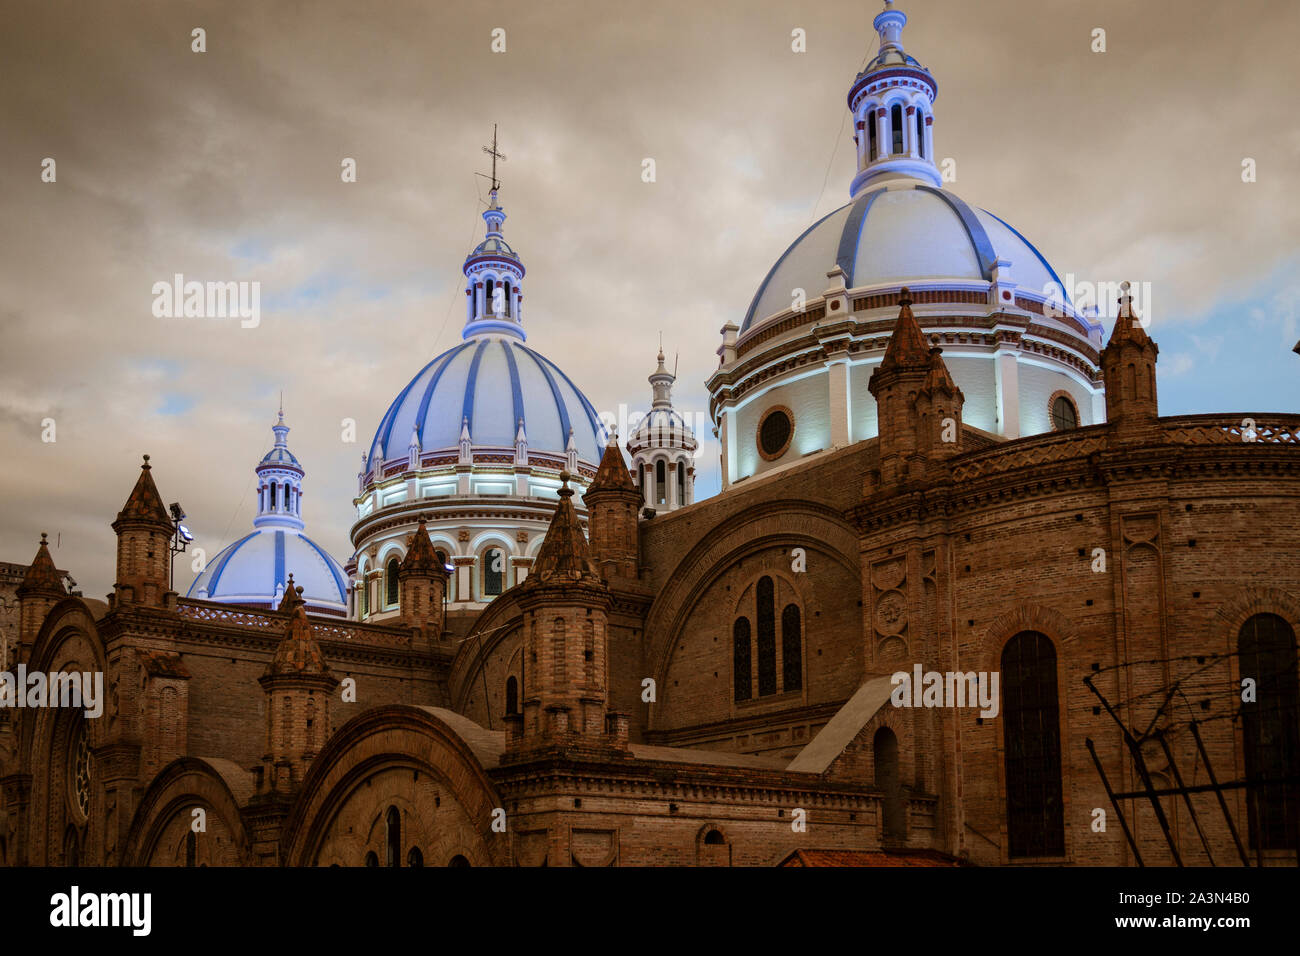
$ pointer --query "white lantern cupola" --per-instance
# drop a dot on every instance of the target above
(663, 447)
(494, 280)
(892, 102)
(279, 483)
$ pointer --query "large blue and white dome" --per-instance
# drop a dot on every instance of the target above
(256, 569)
(903, 232)
(802, 356)
(475, 447)
(487, 385)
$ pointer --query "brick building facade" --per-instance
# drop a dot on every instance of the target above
(713, 686)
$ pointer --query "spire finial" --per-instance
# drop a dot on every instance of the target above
(146, 466)
(565, 491)
(495, 154)
(44, 539)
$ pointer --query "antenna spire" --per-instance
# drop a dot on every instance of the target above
(495, 154)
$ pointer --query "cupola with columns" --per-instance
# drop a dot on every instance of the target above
(892, 102)
(663, 448)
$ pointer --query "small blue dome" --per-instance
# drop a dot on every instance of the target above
(280, 456)
(491, 382)
(255, 568)
(494, 246)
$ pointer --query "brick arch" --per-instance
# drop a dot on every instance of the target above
(1258, 600)
(500, 622)
(1026, 617)
(184, 784)
(68, 640)
(378, 741)
(784, 523)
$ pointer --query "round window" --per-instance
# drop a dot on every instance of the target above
(1064, 415)
(775, 430)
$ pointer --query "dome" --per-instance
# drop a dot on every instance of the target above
(255, 568)
(489, 383)
(280, 456)
(905, 232)
(494, 246)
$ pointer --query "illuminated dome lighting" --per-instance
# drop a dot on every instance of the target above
(800, 358)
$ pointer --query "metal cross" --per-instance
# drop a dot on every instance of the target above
(495, 154)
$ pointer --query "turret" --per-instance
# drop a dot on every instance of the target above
(565, 609)
(938, 408)
(1128, 365)
(298, 687)
(422, 580)
(896, 383)
(41, 589)
(144, 533)
(613, 504)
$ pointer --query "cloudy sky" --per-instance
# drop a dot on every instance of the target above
(225, 165)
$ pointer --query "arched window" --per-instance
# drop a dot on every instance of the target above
(505, 296)
(791, 649)
(885, 751)
(681, 482)
(494, 571)
(1031, 724)
(191, 847)
(489, 290)
(766, 615)
(390, 582)
(371, 859)
(274, 493)
(1270, 729)
(415, 857)
(393, 837)
(1064, 415)
(558, 651)
(512, 695)
(896, 125)
(741, 668)
(661, 482)
(872, 139)
(365, 595)
(458, 861)
(715, 838)
(920, 134)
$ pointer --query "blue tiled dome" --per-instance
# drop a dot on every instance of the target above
(906, 232)
(252, 569)
(492, 382)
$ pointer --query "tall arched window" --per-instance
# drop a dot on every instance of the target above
(766, 615)
(661, 482)
(275, 505)
(872, 139)
(393, 837)
(512, 695)
(1270, 729)
(494, 571)
(896, 125)
(893, 826)
(505, 296)
(371, 859)
(415, 857)
(1031, 724)
(558, 651)
(681, 482)
(365, 594)
(742, 670)
(791, 649)
(191, 848)
(920, 134)
(390, 582)
(489, 291)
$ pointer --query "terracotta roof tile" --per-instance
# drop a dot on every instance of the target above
(144, 503)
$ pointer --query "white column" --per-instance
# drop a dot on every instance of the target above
(671, 475)
(884, 142)
(909, 131)
(840, 402)
(1008, 385)
(929, 141)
